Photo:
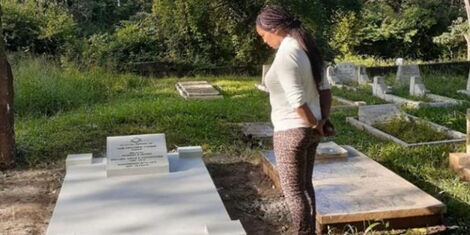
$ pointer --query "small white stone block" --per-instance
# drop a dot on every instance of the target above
(225, 228)
(190, 151)
(78, 159)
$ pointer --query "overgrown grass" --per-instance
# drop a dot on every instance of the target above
(80, 109)
(411, 131)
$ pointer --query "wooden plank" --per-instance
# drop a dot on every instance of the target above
(356, 189)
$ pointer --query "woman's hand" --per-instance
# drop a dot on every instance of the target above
(319, 126)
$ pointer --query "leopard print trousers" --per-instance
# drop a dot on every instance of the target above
(295, 154)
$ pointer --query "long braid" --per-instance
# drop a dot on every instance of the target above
(274, 17)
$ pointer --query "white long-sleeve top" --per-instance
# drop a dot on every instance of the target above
(290, 84)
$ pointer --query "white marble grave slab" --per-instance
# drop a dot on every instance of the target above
(136, 154)
(182, 202)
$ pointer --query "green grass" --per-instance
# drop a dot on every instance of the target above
(411, 131)
(363, 93)
(73, 111)
(404, 91)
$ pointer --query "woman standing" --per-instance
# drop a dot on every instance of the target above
(295, 82)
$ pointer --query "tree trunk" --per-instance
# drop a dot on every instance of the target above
(7, 134)
(467, 9)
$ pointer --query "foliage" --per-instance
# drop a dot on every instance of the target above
(454, 38)
(29, 27)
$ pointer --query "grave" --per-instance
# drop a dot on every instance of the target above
(355, 190)
(381, 90)
(466, 91)
(373, 114)
(197, 90)
(183, 200)
(405, 72)
(460, 162)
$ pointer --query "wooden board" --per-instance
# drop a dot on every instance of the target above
(197, 90)
(356, 190)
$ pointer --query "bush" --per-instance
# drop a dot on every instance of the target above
(30, 27)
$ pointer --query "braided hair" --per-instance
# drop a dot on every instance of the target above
(274, 17)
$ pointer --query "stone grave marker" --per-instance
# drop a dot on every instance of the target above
(362, 77)
(417, 86)
(379, 88)
(372, 114)
(330, 75)
(197, 90)
(346, 72)
(78, 159)
(136, 154)
(399, 61)
(91, 203)
(466, 91)
(357, 189)
(405, 72)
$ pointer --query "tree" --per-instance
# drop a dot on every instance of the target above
(466, 34)
(7, 134)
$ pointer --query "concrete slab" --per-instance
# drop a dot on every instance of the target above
(346, 104)
(182, 202)
(356, 189)
(78, 159)
(197, 90)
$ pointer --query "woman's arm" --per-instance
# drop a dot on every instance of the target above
(325, 103)
(306, 114)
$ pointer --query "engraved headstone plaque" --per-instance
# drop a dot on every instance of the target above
(136, 155)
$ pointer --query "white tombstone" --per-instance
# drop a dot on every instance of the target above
(136, 155)
(379, 88)
(405, 72)
(362, 77)
(399, 61)
(373, 114)
(468, 82)
(330, 75)
(417, 87)
(346, 72)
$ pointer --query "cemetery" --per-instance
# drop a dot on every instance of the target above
(409, 76)
(153, 117)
